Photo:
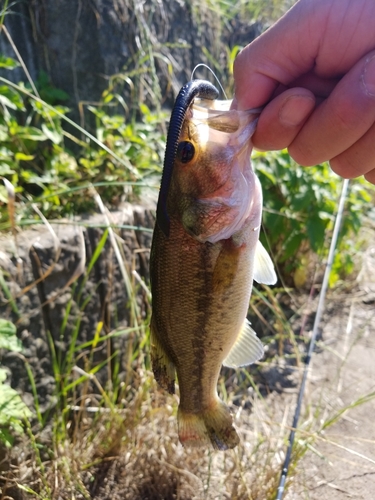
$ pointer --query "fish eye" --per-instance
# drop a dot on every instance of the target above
(185, 151)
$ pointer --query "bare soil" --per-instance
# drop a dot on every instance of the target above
(342, 462)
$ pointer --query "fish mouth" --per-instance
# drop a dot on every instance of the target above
(214, 196)
(187, 94)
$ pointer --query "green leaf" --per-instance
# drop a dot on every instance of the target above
(30, 133)
(267, 174)
(6, 154)
(107, 98)
(7, 102)
(6, 437)
(5, 169)
(144, 109)
(11, 98)
(315, 227)
(47, 91)
(4, 136)
(8, 338)
(11, 406)
(52, 133)
(23, 157)
(303, 200)
(8, 62)
(292, 245)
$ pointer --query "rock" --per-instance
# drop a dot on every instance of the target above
(81, 44)
(59, 305)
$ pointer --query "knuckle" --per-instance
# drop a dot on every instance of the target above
(346, 166)
(303, 153)
(345, 116)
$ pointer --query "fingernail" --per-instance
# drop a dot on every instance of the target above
(368, 76)
(295, 110)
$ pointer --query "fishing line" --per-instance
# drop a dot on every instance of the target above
(319, 312)
(212, 72)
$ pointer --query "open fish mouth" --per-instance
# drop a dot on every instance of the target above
(221, 130)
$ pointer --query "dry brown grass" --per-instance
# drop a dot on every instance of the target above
(134, 453)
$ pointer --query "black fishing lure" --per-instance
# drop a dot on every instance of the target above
(192, 89)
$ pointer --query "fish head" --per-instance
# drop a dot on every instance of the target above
(213, 186)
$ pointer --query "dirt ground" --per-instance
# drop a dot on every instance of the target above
(341, 464)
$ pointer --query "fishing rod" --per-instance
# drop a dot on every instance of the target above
(319, 312)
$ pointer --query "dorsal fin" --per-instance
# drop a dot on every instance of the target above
(246, 350)
(264, 272)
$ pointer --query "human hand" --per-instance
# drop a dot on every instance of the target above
(316, 70)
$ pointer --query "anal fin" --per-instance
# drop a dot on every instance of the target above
(246, 350)
(163, 368)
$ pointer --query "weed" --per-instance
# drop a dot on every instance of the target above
(13, 410)
(299, 209)
(37, 162)
(110, 432)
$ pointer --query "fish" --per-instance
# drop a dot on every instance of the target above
(205, 254)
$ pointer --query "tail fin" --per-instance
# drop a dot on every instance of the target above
(213, 426)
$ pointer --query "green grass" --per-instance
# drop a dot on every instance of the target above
(107, 414)
(129, 425)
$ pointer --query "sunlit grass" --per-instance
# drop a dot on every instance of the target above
(108, 418)
(128, 424)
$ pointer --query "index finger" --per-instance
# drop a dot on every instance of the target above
(280, 55)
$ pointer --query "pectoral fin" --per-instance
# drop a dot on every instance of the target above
(264, 272)
(246, 350)
(163, 368)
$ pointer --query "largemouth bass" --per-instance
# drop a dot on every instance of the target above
(205, 254)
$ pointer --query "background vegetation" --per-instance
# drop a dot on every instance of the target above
(48, 161)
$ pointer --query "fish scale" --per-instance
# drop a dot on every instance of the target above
(202, 268)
